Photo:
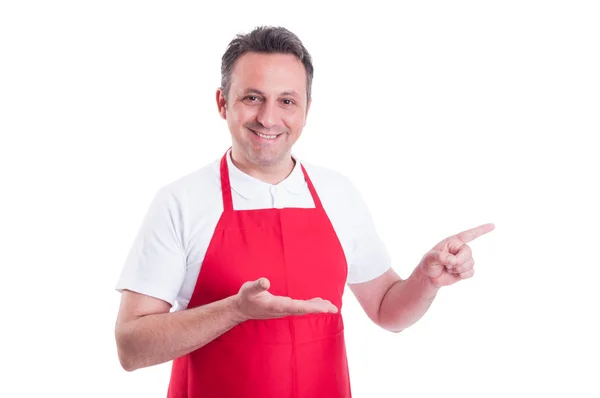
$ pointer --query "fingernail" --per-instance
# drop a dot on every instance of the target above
(452, 260)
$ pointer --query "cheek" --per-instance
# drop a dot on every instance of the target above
(245, 115)
(236, 118)
(294, 122)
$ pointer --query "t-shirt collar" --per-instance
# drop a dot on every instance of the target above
(249, 187)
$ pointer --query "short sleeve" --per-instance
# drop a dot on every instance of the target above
(368, 256)
(155, 265)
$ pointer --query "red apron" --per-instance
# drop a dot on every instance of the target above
(298, 250)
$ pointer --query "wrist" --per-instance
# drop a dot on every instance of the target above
(425, 282)
(235, 309)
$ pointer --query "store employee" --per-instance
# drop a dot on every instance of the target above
(238, 270)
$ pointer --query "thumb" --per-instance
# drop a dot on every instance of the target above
(258, 286)
(435, 261)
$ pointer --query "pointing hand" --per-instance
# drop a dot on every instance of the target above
(450, 260)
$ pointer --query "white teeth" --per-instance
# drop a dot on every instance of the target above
(268, 137)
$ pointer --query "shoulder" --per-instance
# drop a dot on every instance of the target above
(328, 180)
(199, 187)
(341, 199)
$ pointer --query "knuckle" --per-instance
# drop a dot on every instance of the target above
(467, 249)
(467, 274)
(467, 265)
(455, 246)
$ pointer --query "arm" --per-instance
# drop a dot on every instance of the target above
(148, 334)
(406, 302)
(395, 304)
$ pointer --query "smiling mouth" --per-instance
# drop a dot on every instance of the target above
(266, 137)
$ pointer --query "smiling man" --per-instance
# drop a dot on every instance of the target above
(238, 270)
(266, 95)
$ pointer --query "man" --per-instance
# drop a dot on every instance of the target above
(256, 248)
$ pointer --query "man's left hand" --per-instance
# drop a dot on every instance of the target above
(451, 260)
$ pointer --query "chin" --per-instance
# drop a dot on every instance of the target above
(267, 158)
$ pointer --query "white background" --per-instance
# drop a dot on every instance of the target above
(446, 115)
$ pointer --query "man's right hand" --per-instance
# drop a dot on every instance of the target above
(255, 302)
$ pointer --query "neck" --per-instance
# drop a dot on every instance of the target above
(269, 173)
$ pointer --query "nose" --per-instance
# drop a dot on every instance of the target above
(267, 115)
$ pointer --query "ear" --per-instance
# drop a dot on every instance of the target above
(221, 104)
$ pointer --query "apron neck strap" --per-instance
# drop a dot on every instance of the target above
(226, 186)
(312, 189)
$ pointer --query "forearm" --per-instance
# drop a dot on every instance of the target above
(406, 302)
(158, 338)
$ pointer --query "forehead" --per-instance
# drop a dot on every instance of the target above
(268, 73)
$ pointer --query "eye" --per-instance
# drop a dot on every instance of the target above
(288, 102)
(252, 99)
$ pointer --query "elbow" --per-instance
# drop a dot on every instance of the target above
(127, 359)
(388, 326)
(127, 363)
(392, 329)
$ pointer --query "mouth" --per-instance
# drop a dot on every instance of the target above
(269, 137)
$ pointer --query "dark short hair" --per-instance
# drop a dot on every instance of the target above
(269, 40)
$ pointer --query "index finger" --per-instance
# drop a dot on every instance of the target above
(471, 234)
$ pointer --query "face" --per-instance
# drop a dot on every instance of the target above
(266, 108)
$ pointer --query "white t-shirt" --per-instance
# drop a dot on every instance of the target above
(167, 253)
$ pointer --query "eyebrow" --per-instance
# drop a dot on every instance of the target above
(256, 91)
